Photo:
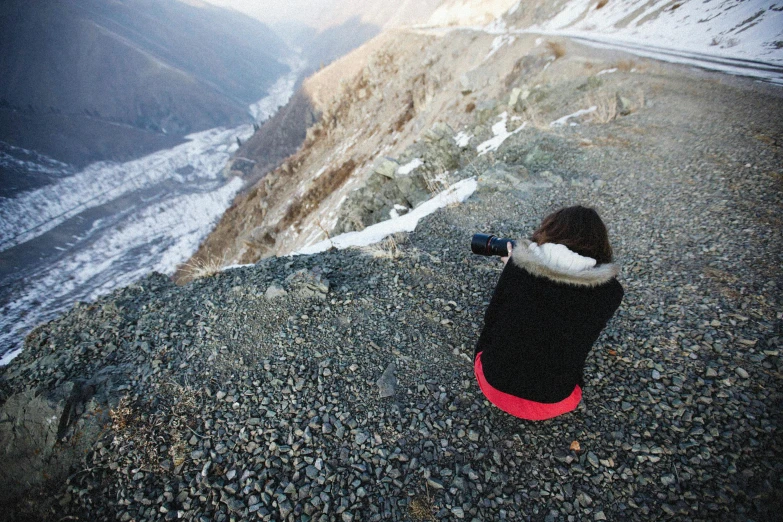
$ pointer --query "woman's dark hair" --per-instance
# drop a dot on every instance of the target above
(578, 228)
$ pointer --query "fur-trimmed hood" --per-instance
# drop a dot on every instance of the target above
(561, 265)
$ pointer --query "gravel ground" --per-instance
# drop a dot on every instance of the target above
(257, 393)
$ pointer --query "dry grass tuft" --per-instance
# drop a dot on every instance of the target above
(606, 107)
(422, 508)
(557, 48)
(178, 450)
(122, 417)
(148, 430)
(388, 248)
(198, 268)
(601, 3)
(133, 428)
(536, 119)
(435, 183)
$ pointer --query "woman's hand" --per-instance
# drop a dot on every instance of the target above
(505, 259)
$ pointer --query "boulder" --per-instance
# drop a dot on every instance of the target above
(519, 103)
(413, 189)
(308, 284)
(43, 435)
(274, 291)
(486, 110)
(387, 168)
(439, 132)
(28, 434)
(624, 105)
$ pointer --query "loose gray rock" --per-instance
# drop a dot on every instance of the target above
(387, 383)
(274, 291)
(308, 283)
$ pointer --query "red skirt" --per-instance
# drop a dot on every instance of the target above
(524, 408)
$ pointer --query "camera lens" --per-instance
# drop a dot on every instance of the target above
(497, 246)
(489, 245)
(480, 244)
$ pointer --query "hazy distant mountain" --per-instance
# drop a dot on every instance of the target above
(320, 48)
(93, 79)
(386, 15)
(335, 28)
(379, 12)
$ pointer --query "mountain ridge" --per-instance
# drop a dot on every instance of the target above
(135, 63)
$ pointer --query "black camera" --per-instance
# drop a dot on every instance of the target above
(489, 245)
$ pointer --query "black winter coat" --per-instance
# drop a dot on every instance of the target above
(542, 322)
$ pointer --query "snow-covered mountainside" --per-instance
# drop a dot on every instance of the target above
(743, 38)
(749, 30)
(469, 12)
(104, 227)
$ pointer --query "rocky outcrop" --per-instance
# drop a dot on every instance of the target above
(407, 96)
(375, 103)
(395, 187)
(45, 432)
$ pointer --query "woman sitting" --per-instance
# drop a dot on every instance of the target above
(550, 305)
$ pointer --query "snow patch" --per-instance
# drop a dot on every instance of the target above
(395, 212)
(456, 193)
(232, 267)
(499, 42)
(500, 135)
(410, 167)
(462, 139)
(571, 13)
(12, 158)
(607, 71)
(320, 171)
(9, 356)
(562, 121)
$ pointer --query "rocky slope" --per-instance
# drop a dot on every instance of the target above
(389, 91)
(377, 101)
(338, 386)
